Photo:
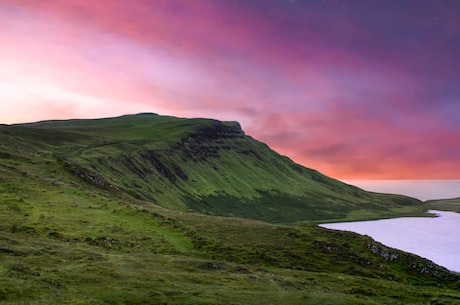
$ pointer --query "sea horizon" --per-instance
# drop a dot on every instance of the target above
(422, 189)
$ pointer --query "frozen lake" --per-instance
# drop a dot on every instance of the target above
(436, 239)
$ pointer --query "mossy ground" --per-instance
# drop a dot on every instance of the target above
(90, 248)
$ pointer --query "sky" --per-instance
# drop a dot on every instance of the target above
(355, 89)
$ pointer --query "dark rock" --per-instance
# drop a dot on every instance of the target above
(146, 113)
(159, 165)
(88, 175)
(206, 141)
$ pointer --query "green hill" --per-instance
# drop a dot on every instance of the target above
(106, 212)
(452, 204)
(198, 164)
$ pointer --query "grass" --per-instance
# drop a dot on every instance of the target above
(40, 268)
(130, 279)
(91, 248)
(444, 205)
(68, 238)
(203, 165)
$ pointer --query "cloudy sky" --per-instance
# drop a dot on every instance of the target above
(356, 89)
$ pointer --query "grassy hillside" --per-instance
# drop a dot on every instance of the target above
(63, 241)
(78, 224)
(196, 164)
(444, 205)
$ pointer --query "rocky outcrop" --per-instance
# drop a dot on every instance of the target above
(419, 264)
(170, 171)
(206, 141)
(88, 175)
(216, 130)
(387, 253)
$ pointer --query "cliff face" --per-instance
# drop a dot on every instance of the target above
(205, 142)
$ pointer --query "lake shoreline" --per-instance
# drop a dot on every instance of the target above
(433, 237)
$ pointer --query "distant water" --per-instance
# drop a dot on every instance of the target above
(420, 189)
(436, 239)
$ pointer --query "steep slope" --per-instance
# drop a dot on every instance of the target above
(202, 165)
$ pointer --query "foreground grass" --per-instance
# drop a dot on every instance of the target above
(39, 270)
(71, 243)
(78, 275)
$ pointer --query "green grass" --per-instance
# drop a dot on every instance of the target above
(204, 165)
(168, 257)
(79, 223)
(444, 205)
(84, 246)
